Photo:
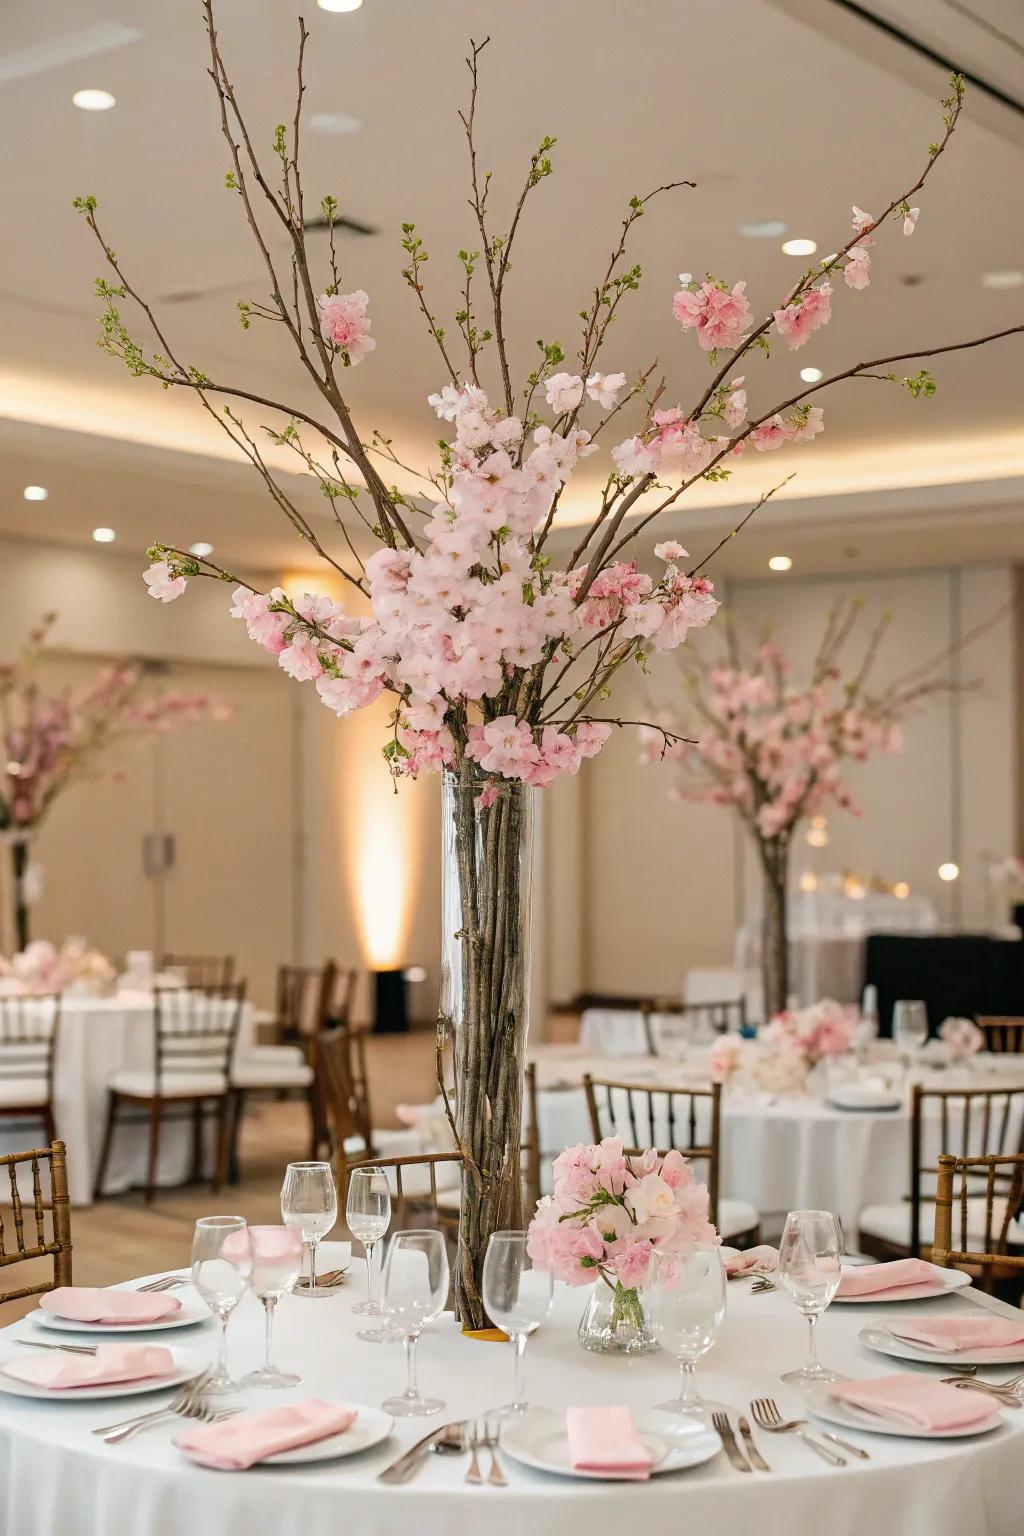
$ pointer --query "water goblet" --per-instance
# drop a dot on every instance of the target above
(276, 1265)
(685, 1302)
(221, 1260)
(517, 1298)
(810, 1270)
(415, 1291)
(909, 1025)
(309, 1203)
(368, 1216)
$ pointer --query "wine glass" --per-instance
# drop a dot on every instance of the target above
(276, 1265)
(415, 1291)
(517, 1298)
(368, 1215)
(221, 1260)
(685, 1302)
(909, 1025)
(309, 1202)
(810, 1271)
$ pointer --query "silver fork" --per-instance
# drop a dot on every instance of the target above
(762, 1284)
(202, 1412)
(495, 1476)
(474, 1474)
(165, 1283)
(966, 1372)
(767, 1416)
(67, 1349)
(184, 1393)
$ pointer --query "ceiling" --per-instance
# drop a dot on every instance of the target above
(779, 109)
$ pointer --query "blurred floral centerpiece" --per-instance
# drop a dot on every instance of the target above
(75, 968)
(785, 1051)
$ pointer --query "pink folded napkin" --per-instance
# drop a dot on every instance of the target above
(919, 1402)
(606, 1440)
(111, 1362)
(241, 1442)
(953, 1333)
(761, 1260)
(90, 1304)
(867, 1279)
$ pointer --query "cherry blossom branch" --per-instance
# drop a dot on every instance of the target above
(742, 523)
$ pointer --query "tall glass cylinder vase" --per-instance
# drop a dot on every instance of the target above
(774, 854)
(487, 841)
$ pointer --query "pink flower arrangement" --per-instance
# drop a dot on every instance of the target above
(963, 1037)
(610, 1211)
(823, 1030)
(42, 967)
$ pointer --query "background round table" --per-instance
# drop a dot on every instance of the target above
(56, 1477)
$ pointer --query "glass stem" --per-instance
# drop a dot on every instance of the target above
(269, 1303)
(519, 1377)
(412, 1390)
(369, 1272)
(812, 1343)
(314, 1243)
(688, 1395)
(222, 1354)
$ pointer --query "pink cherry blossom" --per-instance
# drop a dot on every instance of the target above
(856, 273)
(564, 392)
(669, 550)
(910, 220)
(162, 585)
(797, 322)
(719, 315)
(606, 388)
(346, 325)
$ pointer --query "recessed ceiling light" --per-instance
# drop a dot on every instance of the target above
(780, 563)
(811, 375)
(1011, 277)
(339, 5)
(901, 890)
(94, 101)
(771, 229)
(200, 550)
(104, 535)
(949, 872)
(334, 122)
(35, 493)
(799, 247)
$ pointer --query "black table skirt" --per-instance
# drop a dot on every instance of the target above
(960, 975)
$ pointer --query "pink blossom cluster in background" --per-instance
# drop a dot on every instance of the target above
(42, 967)
(609, 1212)
(963, 1037)
(824, 1029)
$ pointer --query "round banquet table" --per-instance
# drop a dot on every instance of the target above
(99, 1036)
(57, 1478)
(780, 1152)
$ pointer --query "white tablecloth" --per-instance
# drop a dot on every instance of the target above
(98, 1036)
(787, 1153)
(56, 1479)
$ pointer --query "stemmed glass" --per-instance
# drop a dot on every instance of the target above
(810, 1270)
(685, 1302)
(909, 1025)
(221, 1260)
(309, 1203)
(368, 1215)
(276, 1265)
(415, 1291)
(517, 1298)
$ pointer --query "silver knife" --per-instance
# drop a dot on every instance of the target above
(410, 1461)
(756, 1459)
(732, 1450)
(67, 1349)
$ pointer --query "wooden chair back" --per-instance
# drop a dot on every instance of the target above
(688, 1120)
(195, 1032)
(202, 970)
(959, 1183)
(413, 1181)
(44, 1238)
(29, 1029)
(730, 1015)
(344, 1106)
(1003, 1033)
(964, 1122)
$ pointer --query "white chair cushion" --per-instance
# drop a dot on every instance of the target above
(18, 1091)
(272, 1066)
(892, 1222)
(736, 1216)
(185, 1084)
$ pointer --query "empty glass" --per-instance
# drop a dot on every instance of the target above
(810, 1270)
(909, 1025)
(517, 1298)
(309, 1203)
(684, 1299)
(415, 1292)
(368, 1214)
(221, 1260)
(276, 1265)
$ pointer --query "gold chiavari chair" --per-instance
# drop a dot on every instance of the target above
(194, 1033)
(344, 1106)
(966, 1122)
(685, 1119)
(29, 1030)
(659, 1015)
(202, 970)
(45, 1239)
(979, 1216)
(1003, 1033)
(419, 1183)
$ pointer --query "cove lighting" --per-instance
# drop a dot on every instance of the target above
(780, 563)
(339, 5)
(94, 101)
(104, 535)
(200, 550)
(799, 247)
(35, 493)
(949, 872)
(811, 375)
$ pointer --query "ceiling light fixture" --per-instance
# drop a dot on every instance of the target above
(771, 229)
(811, 375)
(1010, 277)
(949, 872)
(35, 493)
(799, 247)
(339, 5)
(334, 122)
(780, 563)
(200, 550)
(94, 101)
(104, 535)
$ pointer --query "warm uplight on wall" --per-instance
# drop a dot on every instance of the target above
(949, 872)
(901, 890)
(808, 881)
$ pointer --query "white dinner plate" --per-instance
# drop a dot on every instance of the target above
(538, 1439)
(370, 1428)
(193, 1310)
(188, 1363)
(886, 1343)
(856, 1101)
(823, 1405)
(945, 1280)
